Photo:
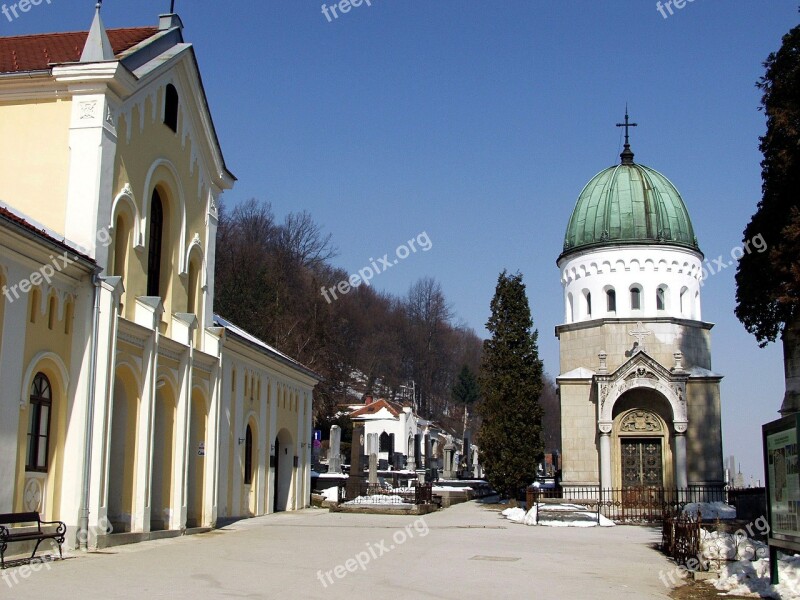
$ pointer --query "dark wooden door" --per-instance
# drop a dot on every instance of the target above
(642, 464)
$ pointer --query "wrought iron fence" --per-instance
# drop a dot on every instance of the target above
(633, 505)
(680, 537)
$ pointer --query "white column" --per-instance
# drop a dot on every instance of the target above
(307, 404)
(148, 314)
(212, 490)
(273, 432)
(110, 293)
(300, 453)
(235, 510)
(263, 447)
(605, 457)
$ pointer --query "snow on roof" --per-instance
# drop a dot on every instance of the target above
(701, 372)
(579, 373)
(383, 413)
(241, 333)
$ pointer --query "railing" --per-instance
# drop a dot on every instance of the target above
(376, 493)
(680, 537)
(633, 505)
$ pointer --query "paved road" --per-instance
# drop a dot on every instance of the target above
(466, 551)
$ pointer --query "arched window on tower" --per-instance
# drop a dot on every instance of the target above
(171, 102)
(154, 252)
(636, 298)
(685, 302)
(661, 299)
(589, 304)
(611, 301)
(39, 424)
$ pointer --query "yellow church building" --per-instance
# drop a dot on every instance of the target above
(128, 409)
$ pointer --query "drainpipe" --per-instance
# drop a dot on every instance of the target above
(83, 523)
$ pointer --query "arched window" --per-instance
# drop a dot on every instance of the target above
(661, 299)
(611, 301)
(36, 299)
(248, 456)
(386, 443)
(39, 424)
(154, 256)
(171, 108)
(684, 307)
(52, 308)
(121, 243)
(193, 305)
(588, 304)
(636, 298)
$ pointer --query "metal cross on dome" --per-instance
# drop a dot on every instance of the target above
(640, 333)
(627, 125)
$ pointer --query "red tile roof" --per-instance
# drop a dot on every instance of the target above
(7, 215)
(38, 52)
(371, 409)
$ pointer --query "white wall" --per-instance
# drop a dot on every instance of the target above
(594, 272)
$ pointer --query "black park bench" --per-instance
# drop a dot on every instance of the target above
(28, 534)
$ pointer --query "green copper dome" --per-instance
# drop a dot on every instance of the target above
(629, 204)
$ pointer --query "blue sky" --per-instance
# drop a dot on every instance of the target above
(479, 123)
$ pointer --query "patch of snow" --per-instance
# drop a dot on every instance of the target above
(381, 499)
(447, 488)
(710, 510)
(331, 494)
(576, 519)
(332, 476)
(718, 545)
(751, 579)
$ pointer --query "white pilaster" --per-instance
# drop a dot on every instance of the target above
(273, 433)
(681, 479)
(148, 314)
(93, 147)
(15, 319)
(111, 291)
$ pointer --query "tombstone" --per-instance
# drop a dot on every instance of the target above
(356, 452)
(335, 452)
(411, 464)
(449, 450)
(373, 469)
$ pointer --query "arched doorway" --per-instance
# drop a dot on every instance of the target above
(122, 456)
(284, 470)
(642, 440)
(163, 460)
(197, 462)
(250, 464)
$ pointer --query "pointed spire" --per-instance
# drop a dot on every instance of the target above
(627, 154)
(97, 48)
